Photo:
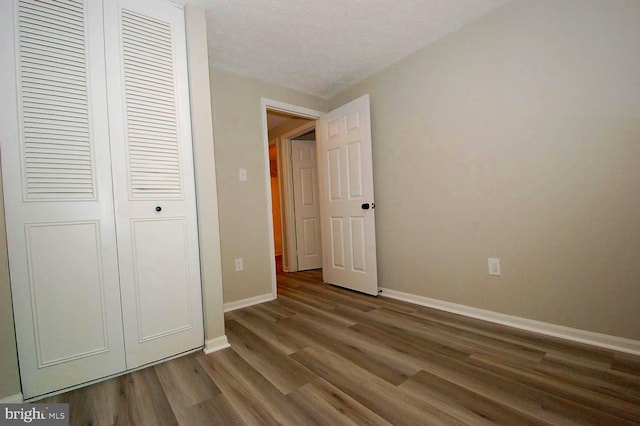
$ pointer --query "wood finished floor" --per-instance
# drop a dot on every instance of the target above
(323, 355)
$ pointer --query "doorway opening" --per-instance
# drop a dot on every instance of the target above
(294, 192)
(282, 124)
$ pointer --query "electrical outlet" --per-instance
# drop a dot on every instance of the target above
(494, 266)
(239, 264)
(242, 175)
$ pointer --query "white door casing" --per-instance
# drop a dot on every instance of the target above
(153, 179)
(306, 204)
(346, 197)
(58, 194)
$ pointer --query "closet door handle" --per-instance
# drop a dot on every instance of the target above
(158, 209)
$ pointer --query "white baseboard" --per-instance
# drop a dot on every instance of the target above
(605, 341)
(216, 344)
(13, 399)
(244, 303)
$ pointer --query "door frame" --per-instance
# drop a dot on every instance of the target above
(299, 111)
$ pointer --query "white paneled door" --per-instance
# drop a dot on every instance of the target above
(346, 197)
(306, 204)
(153, 179)
(58, 193)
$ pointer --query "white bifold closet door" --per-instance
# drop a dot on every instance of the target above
(98, 187)
(153, 178)
(58, 194)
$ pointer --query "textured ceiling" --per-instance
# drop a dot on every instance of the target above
(324, 46)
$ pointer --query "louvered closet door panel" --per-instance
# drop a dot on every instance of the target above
(153, 179)
(57, 150)
(58, 193)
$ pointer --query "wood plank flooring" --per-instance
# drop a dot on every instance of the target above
(323, 355)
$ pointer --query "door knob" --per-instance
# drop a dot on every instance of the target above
(367, 206)
(158, 208)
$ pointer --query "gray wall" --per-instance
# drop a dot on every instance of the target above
(238, 140)
(518, 137)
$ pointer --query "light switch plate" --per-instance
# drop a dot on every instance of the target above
(242, 175)
(494, 266)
